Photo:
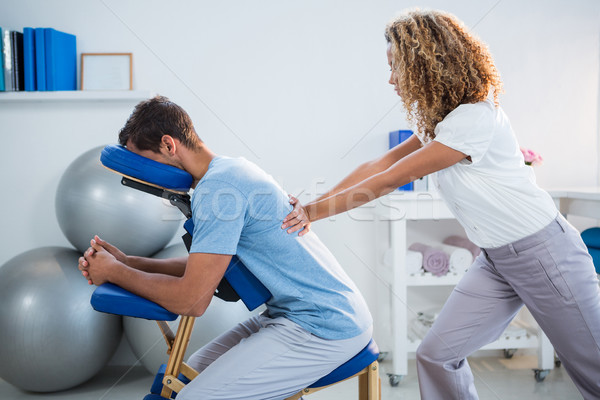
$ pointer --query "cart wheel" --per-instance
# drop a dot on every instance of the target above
(541, 374)
(395, 379)
(509, 353)
(382, 356)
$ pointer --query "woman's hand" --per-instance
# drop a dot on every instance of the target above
(298, 219)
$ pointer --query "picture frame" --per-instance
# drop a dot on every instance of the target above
(106, 71)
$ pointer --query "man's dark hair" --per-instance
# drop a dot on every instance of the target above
(155, 117)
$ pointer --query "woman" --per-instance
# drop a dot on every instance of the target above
(531, 255)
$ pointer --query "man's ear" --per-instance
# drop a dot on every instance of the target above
(169, 143)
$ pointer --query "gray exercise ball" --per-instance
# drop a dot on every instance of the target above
(146, 340)
(91, 200)
(52, 339)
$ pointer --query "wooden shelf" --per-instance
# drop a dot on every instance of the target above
(76, 95)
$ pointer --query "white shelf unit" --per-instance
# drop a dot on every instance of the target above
(398, 210)
(76, 95)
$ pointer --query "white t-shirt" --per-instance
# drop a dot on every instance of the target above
(494, 196)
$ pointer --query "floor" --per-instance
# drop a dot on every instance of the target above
(496, 379)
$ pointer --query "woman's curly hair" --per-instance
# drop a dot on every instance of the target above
(439, 65)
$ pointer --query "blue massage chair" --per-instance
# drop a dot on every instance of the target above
(238, 283)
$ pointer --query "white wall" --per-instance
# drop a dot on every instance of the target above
(300, 88)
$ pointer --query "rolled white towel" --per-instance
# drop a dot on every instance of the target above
(414, 262)
(460, 258)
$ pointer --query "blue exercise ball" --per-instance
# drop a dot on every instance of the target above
(52, 339)
(91, 200)
(145, 338)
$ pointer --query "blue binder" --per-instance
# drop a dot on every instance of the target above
(61, 60)
(40, 59)
(29, 58)
(397, 137)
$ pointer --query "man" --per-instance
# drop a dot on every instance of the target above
(316, 319)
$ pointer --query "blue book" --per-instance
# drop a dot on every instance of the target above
(2, 88)
(40, 59)
(397, 137)
(61, 60)
(29, 59)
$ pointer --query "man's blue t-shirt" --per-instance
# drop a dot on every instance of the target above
(238, 209)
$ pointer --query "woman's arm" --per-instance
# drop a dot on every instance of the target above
(375, 166)
(363, 172)
(431, 158)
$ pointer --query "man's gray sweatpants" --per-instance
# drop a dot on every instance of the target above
(266, 358)
(551, 273)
